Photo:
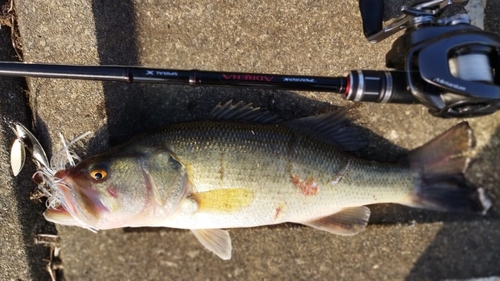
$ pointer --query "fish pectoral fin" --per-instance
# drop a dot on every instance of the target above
(217, 241)
(348, 221)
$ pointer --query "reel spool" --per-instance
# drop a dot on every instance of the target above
(472, 67)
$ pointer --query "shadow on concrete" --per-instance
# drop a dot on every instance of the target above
(115, 26)
(132, 109)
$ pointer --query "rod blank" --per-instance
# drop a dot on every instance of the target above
(175, 76)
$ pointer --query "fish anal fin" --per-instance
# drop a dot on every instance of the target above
(348, 221)
(217, 241)
(223, 200)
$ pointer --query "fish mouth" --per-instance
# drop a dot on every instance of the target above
(78, 205)
(60, 215)
(68, 199)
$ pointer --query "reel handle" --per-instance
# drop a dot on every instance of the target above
(372, 14)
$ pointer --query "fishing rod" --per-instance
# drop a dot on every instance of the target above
(446, 64)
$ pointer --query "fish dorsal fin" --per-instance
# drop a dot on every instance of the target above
(217, 241)
(333, 128)
(348, 221)
(242, 112)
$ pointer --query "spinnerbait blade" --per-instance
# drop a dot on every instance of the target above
(28, 141)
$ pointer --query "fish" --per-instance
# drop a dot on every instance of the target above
(242, 167)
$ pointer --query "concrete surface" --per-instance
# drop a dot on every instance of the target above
(20, 217)
(295, 37)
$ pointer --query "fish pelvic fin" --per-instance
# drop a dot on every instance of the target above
(347, 222)
(217, 241)
(440, 166)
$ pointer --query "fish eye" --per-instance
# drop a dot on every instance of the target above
(98, 174)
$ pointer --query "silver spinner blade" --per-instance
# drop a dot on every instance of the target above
(28, 140)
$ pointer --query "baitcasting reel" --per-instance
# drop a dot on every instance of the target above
(449, 65)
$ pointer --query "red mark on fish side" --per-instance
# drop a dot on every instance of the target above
(307, 187)
(278, 211)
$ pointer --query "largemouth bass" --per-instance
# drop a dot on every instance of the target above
(244, 168)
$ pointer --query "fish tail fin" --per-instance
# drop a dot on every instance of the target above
(440, 165)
